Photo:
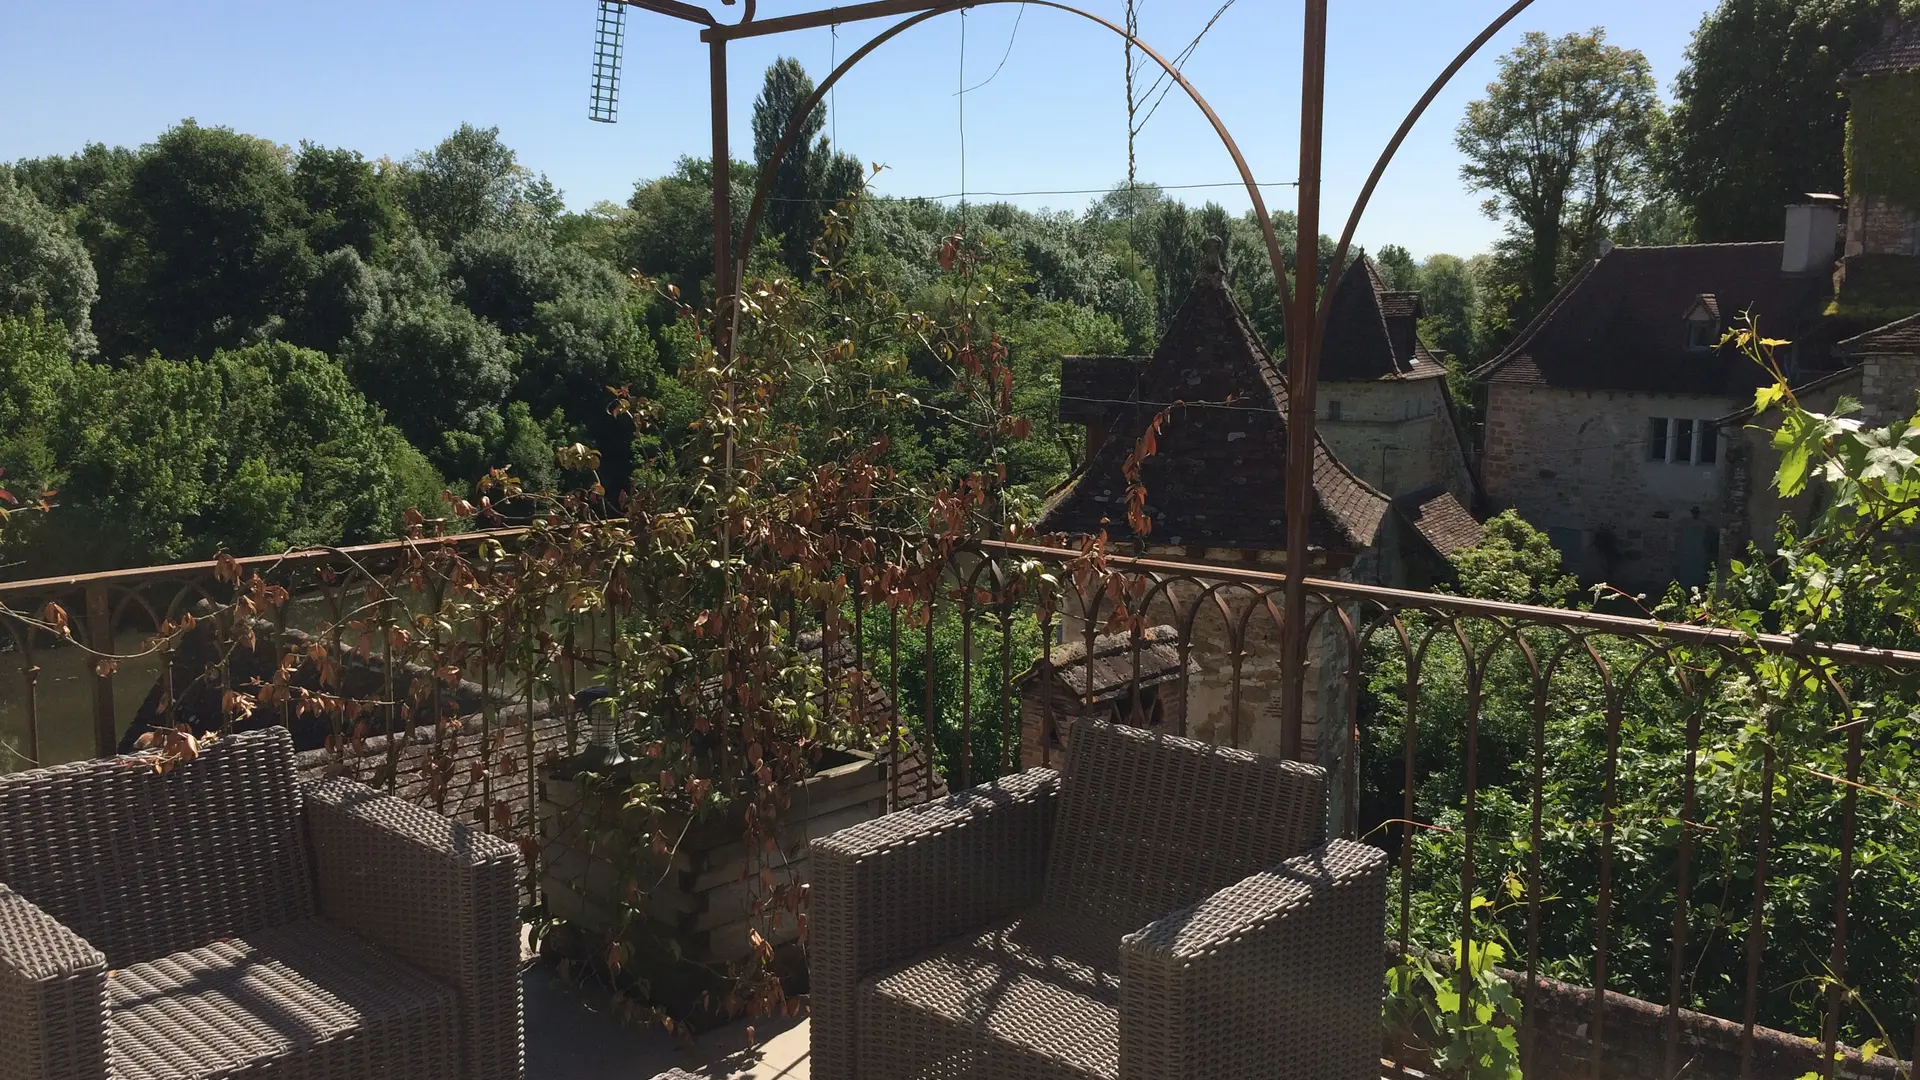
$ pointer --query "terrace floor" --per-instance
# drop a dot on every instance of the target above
(569, 1037)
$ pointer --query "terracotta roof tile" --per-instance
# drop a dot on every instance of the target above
(1113, 663)
(1438, 517)
(1089, 385)
(1373, 333)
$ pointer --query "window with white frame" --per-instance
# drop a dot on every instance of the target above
(1682, 440)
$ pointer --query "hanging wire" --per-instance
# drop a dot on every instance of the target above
(833, 95)
(1003, 58)
(1179, 62)
(1241, 184)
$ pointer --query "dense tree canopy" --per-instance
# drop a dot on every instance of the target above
(276, 324)
(1758, 117)
(43, 265)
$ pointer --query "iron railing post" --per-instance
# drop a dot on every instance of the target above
(1302, 361)
(106, 736)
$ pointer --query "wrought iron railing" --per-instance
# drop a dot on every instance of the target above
(1673, 811)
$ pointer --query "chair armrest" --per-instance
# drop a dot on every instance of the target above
(1280, 974)
(53, 996)
(898, 885)
(434, 893)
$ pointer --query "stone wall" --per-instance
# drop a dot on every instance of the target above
(1876, 225)
(1634, 1041)
(1888, 384)
(1398, 435)
(1574, 463)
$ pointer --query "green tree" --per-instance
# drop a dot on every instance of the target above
(812, 178)
(1560, 144)
(217, 248)
(1515, 563)
(1397, 268)
(347, 202)
(43, 265)
(441, 373)
(670, 235)
(1758, 119)
(1449, 293)
(472, 181)
(249, 451)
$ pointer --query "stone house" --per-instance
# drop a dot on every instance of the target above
(1601, 416)
(1883, 157)
(1215, 493)
(1384, 410)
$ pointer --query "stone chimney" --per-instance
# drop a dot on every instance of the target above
(1812, 235)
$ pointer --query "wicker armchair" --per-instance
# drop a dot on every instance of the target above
(1165, 910)
(253, 925)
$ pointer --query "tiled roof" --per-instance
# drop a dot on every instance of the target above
(1900, 52)
(1219, 476)
(1113, 663)
(1439, 518)
(1895, 337)
(1619, 324)
(1373, 333)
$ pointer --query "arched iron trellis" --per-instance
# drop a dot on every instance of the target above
(1304, 322)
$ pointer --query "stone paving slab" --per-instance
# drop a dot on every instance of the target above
(571, 1037)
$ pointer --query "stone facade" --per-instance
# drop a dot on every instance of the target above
(1876, 225)
(1575, 463)
(1396, 434)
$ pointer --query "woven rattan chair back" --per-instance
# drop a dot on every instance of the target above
(143, 863)
(1150, 823)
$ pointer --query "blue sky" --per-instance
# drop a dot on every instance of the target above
(388, 77)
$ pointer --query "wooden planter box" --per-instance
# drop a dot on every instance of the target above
(698, 905)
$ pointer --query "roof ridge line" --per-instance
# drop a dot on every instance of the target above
(1525, 336)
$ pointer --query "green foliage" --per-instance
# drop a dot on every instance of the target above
(1560, 143)
(811, 178)
(1449, 292)
(1850, 576)
(43, 266)
(1758, 117)
(1397, 268)
(441, 372)
(1883, 138)
(473, 181)
(347, 202)
(251, 450)
(216, 248)
(1478, 1042)
(1515, 563)
(1876, 290)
